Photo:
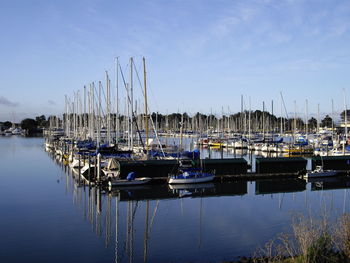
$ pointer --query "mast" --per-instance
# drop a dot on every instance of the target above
(250, 110)
(84, 117)
(346, 121)
(318, 119)
(98, 130)
(263, 120)
(242, 121)
(146, 112)
(108, 82)
(272, 122)
(131, 105)
(307, 117)
(332, 121)
(295, 119)
(117, 102)
(281, 128)
(181, 127)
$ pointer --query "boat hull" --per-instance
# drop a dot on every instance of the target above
(191, 180)
(321, 174)
(125, 182)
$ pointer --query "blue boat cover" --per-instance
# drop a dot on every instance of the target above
(131, 176)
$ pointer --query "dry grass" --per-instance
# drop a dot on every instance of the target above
(312, 241)
(342, 236)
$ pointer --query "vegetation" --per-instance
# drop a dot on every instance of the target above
(312, 241)
(238, 122)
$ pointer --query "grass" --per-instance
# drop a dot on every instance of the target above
(312, 241)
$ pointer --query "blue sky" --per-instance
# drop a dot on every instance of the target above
(201, 55)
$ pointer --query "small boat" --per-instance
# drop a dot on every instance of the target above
(319, 172)
(191, 177)
(188, 174)
(130, 180)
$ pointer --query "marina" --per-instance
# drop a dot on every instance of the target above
(145, 223)
(175, 131)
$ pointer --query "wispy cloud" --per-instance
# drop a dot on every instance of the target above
(51, 102)
(4, 101)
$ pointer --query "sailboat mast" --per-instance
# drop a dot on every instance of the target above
(250, 110)
(318, 118)
(307, 117)
(346, 120)
(108, 108)
(332, 121)
(263, 120)
(84, 116)
(295, 120)
(146, 112)
(131, 105)
(117, 101)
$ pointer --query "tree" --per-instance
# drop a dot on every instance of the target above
(7, 124)
(312, 123)
(30, 125)
(41, 120)
(342, 115)
(327, 122)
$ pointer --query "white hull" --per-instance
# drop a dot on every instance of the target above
(191, 180)
(125, 182)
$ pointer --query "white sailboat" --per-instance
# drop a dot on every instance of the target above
(188, 174)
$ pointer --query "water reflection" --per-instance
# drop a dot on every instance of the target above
(279, 186)
(161, 222)
(137, 209)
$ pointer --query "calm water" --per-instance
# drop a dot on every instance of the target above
(47, 217)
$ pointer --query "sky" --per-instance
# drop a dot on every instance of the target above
(201, 55)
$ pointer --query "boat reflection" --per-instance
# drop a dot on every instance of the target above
(279, 186)
(152, 192)
(191, 190)
(329, 183)
(132, 225)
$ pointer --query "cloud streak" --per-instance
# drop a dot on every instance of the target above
(4, 101)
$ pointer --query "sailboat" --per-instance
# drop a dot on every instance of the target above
(189, 174)
(320, 172)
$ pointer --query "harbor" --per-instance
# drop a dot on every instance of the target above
(146, 223)
(192, 182)
(175, 131)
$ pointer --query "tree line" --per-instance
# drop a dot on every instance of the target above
(242, 121)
